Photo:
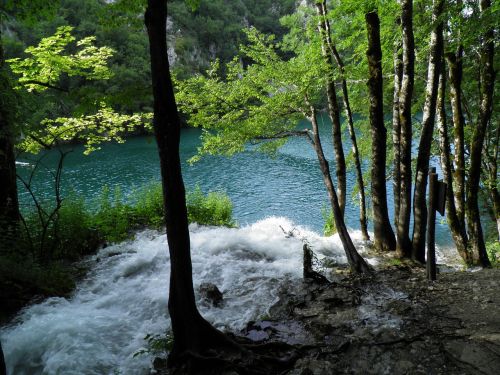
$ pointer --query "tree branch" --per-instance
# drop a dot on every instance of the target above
(285, 134)
(44, 84)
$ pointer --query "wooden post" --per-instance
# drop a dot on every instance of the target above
(431, 224)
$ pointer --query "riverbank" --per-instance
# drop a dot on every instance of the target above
(391, 322)
(123, 298)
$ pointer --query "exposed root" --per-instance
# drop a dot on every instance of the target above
(241, 356)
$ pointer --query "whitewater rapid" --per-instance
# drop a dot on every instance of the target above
(124, 296)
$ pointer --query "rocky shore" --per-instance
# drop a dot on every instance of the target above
(391, 322)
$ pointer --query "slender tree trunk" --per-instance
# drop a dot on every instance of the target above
(403, 240)
(492, 176)
(9, 204)
(333, 107)
(396, 134)
(350, 124)
(192, 334)
(384, 236)
(458, 230)
(455, 73)
(3, 369)
(424, 148)
(356, 262)
(485, 109)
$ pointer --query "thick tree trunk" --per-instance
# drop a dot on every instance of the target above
(424, 148)
(363, 221)
(192, 334)
(396, 134)
(9, 204)
(458, 231)
(384, 236)
(333, 107)
(455, 73)
(476, 237)
(403, 240)
(356, 262)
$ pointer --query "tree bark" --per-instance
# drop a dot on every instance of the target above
(3, 369)
(403, 246)
(458, 231)
(487, 75)
(9, 204)
(424, 148)
(384, 236)
(455, 73)
(363, 221)
(396, 134)
(333, 107)
(192, 333)
(491, 154)
(356, 262)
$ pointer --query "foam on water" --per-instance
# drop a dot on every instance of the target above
(124, 296)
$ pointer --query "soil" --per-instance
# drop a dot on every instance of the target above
(392, 322)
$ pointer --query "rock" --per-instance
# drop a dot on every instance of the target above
(211, 293)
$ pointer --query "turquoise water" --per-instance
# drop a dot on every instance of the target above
(259, 185)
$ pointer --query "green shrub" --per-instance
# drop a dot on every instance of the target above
(148, 206)
(329, 228)
(75, 233)
(113, 219)
(157, 344)
(215, 208)
(493, 250)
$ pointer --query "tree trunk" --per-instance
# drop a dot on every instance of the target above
(333, 107)
(458, 231)
(192, 334)
(363, 221)
(3, 369)
(492, 176)
(424, 148)
(356, 262)
(455, 73)
(487, 73)
(396, 134)
(9, 204)
(403, 240)
(384, 236)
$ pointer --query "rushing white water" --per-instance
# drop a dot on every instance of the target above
(124, 296)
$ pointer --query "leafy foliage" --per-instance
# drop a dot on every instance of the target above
(329, 228)
(47, 62)
(259, 103)
(91, 130)
(215, 208)
(493, 250)
(157, 344)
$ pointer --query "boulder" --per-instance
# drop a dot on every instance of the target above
(211, 293)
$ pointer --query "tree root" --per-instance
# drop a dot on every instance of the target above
(241, 357)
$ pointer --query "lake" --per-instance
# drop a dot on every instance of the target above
(289, 184)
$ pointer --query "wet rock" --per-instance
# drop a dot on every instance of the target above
(211, 293)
